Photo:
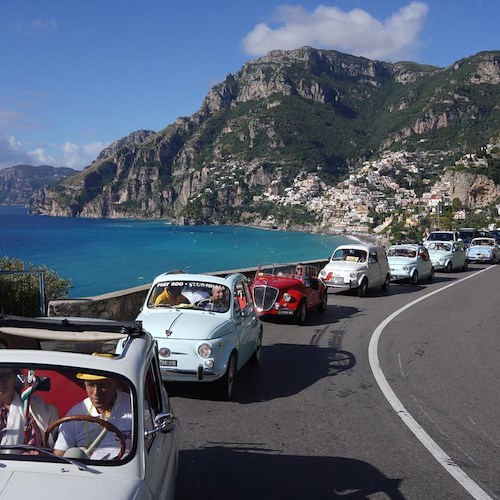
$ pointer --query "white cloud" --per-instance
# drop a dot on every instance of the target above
(355, 32)
(77, 156)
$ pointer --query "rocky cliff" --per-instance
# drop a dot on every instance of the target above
(289, 112)
(18, 183)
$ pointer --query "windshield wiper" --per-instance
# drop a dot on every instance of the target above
(43, 451)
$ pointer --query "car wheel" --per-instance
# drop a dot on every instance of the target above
(363, 288)
(466, 265)
(257, 354)
(386, 283)
(449, 267)
(414, 278)
(431, 276)
(226, 383)
(324, 302)
(301, 313)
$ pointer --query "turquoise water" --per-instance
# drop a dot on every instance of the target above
(105, 255)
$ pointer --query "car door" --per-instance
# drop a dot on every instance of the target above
(160, 457)
(311, 286)
(247, 325)
(374, 278)
(458, 255)
(424, 264)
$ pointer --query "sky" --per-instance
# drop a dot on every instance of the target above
(77, 75)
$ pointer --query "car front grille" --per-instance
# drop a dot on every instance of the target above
(264, 297)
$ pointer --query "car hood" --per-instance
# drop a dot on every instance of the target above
(440, 253)
(64, 484)
(401, 261)
(192, 325)
(346, 266)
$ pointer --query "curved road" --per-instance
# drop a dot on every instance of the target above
(313, 423)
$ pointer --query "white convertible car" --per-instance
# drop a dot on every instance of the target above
(57, 374)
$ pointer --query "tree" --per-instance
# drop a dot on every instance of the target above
(20, 293)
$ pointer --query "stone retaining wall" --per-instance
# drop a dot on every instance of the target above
(125, 305)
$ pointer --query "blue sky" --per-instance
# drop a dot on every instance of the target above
(78, 75)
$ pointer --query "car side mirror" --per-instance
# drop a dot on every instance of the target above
(164, 422)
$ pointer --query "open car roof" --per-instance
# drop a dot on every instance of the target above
(68, 329)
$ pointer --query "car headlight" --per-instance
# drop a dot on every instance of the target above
(322, 273)
(353, 275)
(287, 297)
(205, 350)
(406, 268)
(441, 260)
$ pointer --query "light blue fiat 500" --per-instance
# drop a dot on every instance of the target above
(448, 255)
(410, 262)
(205, 327)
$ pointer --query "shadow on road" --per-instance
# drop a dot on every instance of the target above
(257, 473)
(286, 369)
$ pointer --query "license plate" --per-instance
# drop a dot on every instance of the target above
(338, 279)
(168, 362)
(286, 312)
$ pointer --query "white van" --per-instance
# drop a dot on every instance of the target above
(357, 267)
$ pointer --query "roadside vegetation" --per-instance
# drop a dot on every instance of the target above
(21, 292)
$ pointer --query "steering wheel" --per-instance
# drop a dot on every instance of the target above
(88, 418)
(202, 302)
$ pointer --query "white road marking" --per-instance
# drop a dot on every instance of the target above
(436, 451)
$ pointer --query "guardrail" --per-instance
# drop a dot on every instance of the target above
(125, 305)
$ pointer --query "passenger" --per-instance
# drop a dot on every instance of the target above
(172, 296)
(14, 427)
(104, 401)
(299, 269)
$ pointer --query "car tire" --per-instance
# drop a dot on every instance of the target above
(387, 282)
(466, 265)
(430, 279)
(324, 302)
(449, 267)
(363, 288)
(225, 385)
(414, 278)
(300, 313)
(257, 354)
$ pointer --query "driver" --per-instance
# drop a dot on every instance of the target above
(104, 401)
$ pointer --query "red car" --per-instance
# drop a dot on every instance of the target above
(288, 290)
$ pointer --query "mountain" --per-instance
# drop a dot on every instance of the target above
(18, 183)
(287, 114)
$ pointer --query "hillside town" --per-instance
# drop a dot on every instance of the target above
(350, 207)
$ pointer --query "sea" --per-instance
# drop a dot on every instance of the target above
(107, 255)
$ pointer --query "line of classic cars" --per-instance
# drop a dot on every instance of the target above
(192, 327)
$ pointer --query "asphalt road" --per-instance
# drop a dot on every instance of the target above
(313, 423)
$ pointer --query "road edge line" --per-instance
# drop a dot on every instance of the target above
(436, 451)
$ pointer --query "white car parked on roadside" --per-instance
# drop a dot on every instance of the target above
(357, 267)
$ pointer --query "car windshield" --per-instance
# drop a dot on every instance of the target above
(409, 253)
(440, 246)
(440, 237)
(97, 409)
(191, 295)
(278, 270)
(349, 255)
(483, 242)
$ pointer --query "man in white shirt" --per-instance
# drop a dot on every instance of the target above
(104, 401)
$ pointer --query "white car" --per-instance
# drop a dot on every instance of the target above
(410, 262)
(484, 250)
(205, 326)
(357, 267)
(54, 363)
(442, 236)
